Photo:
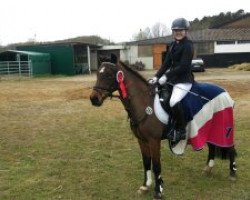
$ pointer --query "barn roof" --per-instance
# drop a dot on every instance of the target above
(201, 36)
(31, 53)
(9, 55)
(59, 43)
(220, 34)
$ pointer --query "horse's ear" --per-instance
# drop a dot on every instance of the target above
(114, 58)
(100, 59)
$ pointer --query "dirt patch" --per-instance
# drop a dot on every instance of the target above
(76, 94)
(80, 87)
(237, 89)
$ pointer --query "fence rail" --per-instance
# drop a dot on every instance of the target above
(16, 68)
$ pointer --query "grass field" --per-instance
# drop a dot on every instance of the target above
(55, 145)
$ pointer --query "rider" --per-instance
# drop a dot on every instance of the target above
(176, 71)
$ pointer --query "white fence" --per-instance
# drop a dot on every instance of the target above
(16, 69)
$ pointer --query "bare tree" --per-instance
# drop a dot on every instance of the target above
(142, 35)
(157, 30)
(32, 39)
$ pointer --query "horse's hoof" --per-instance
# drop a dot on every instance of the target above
(143, 190)
(232, 178)
(207, 170)
(157, 196)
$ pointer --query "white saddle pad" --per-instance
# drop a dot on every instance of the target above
(163, 116)
(160, 113)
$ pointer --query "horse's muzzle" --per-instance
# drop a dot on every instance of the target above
(95, 100)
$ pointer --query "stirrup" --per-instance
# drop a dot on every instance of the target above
(175, 135)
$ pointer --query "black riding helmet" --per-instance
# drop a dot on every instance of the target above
(180, 24)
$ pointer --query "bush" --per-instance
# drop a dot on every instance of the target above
(138, 66)
(242, 66)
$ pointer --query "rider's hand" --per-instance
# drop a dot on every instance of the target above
(153, 81)
(162, 80)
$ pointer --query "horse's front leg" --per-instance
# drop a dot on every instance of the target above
(155, 151)
(146, 157)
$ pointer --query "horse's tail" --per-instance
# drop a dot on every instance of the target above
(225, 152)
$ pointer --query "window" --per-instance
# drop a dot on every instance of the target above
(224, 42)
(145, 51)
(244, 42)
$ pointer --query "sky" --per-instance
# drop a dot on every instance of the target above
(116, 20)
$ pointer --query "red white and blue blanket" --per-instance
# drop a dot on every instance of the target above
(209, 121)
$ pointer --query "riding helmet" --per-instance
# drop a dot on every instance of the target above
(180, 24)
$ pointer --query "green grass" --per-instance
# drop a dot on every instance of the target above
(56, 148)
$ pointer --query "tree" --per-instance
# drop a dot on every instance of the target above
(239, 13)
(157, 30)
(32, 39)
(216, 20)
(142, 35)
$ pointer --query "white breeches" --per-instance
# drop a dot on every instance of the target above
(179, 92)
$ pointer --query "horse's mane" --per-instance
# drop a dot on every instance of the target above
(134, 72)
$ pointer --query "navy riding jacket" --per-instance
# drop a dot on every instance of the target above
(177, 63)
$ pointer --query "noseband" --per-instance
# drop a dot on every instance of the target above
(108, 90)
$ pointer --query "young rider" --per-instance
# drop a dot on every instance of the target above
(176, 70)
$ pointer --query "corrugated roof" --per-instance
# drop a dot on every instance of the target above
(160, 40)
(220, 34)
(201, 36)
(32, 53)
(54, 43)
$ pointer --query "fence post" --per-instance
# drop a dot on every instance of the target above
(8, 66)
(30, 68)
(19, 65)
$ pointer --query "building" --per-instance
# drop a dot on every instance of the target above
(24, 63)
(68, 58)
(219, 46)
(222, 47)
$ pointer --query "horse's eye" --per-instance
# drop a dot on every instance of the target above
(109, 76)
(106, 76)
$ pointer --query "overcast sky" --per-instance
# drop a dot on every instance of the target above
(117, 20)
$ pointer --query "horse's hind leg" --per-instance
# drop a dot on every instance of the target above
(232, 166)
(146, 157)
(210, 160)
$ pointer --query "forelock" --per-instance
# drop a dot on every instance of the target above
(107, 65)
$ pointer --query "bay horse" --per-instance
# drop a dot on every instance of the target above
(137, 98)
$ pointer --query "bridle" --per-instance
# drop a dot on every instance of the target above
(109, 91)
(126, 101)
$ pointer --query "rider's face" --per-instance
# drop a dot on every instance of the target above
(179, 34)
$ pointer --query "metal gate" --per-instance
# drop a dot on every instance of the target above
(16, 68)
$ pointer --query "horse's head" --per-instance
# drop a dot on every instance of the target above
(106, 83)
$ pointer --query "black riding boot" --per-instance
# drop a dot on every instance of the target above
(180, 123)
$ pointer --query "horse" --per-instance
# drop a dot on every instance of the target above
(137, 97)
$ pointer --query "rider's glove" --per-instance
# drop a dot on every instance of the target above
(162, 80)
(153, 80)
